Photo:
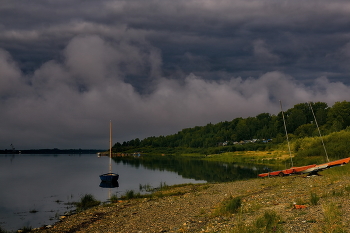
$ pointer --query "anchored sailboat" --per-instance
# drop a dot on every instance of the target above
(110, 176)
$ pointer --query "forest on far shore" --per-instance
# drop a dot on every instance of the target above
(252, 133)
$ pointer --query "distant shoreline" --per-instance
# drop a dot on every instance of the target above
(52, 151)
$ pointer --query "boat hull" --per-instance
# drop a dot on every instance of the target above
(290, 171)
(109, 177)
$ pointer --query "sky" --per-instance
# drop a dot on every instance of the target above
(155, 67)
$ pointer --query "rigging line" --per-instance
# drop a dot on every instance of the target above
(285, 129)
(324, 147)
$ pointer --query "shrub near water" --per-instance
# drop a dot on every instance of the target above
(232, 205)
(86, 202)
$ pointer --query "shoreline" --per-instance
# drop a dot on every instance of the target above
(198, 208)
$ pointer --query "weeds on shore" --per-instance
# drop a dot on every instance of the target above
(230, 206)
(160, 191)
(86, 202)
(131, 194)
(270, 221)
(332, 219)
(314, 199)
(150, 189)
(233, 205)
(114, 198)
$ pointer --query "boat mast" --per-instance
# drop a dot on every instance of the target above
(110, 146)
(324, 147)
(285, 129)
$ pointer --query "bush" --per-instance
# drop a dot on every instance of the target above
(86, 202)
(233, 204)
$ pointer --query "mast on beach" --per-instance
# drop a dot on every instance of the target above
(324, 147)
(285, 129)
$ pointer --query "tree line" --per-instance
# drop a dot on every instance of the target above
(300, 123)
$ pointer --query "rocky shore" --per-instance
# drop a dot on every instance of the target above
(292, 204)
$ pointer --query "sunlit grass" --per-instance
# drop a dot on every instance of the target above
(332, 219)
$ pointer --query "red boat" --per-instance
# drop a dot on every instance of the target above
(290, 171)
(307, 169)
(311, 169)
(324, 166)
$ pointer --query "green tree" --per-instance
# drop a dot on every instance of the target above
(339, 114)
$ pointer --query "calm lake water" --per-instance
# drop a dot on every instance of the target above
(35, 189)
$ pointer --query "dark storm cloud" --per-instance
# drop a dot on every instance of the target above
(154, 67)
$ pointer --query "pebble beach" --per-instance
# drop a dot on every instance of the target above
(198, 208)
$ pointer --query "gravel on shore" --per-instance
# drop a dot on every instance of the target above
(196, 208)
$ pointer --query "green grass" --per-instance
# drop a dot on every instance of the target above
(233, 205)
(229, 206)
(87, 201)
(332, 219)
(130, 194)
(114, 198)
(269, 222)
(314, 199)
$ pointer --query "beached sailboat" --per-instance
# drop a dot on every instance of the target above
(110, 176)
(312, 169)
(292, 170)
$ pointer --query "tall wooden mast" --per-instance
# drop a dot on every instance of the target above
(110, 146)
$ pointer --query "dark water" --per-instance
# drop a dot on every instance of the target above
(35, 189)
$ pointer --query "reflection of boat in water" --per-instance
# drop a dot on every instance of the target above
(110, 177)
(113, 184)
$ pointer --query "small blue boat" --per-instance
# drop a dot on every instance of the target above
(110, 176)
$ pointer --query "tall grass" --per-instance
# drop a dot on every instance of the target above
(314, 199)
(332, 219)
(269, 222)
(336, 145)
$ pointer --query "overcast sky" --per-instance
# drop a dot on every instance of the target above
(154, 67)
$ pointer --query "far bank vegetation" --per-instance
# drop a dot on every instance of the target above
(264, 134)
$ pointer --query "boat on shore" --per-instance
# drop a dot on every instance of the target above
(110, 176)
(289, 171)
(312, 169)
(309, 169)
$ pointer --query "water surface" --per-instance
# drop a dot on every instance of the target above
(35, 189)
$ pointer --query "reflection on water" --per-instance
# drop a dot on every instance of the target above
(196, 169)
(113, 184)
